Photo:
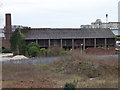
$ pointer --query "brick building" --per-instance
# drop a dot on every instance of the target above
(68, 38)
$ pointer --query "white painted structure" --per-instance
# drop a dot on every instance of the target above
(119, 11)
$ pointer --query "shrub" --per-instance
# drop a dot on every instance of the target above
(54, 51)
(33, 44)
(33, 51)
(43, 51)
(6, 50)
(64, 53)
(89, 70)
(117, 38)
(69, 86)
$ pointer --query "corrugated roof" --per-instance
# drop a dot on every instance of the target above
(67, 33)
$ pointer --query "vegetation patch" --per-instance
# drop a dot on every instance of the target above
(59, 70)
(117, 38)
(6, 50)
(69, 86)
(41, 66)
(33, 49)
(89, 70)
(64, 53)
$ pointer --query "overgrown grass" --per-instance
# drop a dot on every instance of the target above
(41, 66)
(76, 68)
(91, 66)
(55, 51)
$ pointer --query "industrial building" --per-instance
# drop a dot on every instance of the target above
(113, 26)
(68, 38)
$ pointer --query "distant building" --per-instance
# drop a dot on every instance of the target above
(2, 33)
(113, 26)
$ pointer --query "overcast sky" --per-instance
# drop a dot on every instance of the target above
(58, 13)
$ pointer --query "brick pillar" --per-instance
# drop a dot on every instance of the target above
(94, 42)
(36, 41)
(84, 44)
(49, 43)
(61, 43)
(72, 44)
(105, 43)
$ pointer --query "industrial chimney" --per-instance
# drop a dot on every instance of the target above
(8, 26)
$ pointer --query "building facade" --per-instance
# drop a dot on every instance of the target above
(68, 38)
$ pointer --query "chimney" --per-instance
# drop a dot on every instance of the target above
(8, 26)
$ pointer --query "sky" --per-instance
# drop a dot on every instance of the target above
(58, 13)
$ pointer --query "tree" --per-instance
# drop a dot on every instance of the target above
(17, 42)
(33, 49)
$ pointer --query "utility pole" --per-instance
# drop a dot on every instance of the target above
(81, 50)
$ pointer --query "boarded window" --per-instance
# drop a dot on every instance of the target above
(43, 43)
(67, 42)
(100, 41)
(78, 42)
(54, 42)
(110, 41)
(89, 42)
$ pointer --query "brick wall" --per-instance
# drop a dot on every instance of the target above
(6, 43)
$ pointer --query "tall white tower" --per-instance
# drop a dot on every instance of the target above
(119, 17)
(119, 11)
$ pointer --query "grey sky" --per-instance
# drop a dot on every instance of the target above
(58, 13)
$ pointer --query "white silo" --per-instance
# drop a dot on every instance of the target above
(119, 11)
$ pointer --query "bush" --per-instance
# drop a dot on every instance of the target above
(54, 51)
(33, 51)
(33, 44)
(64, 53)
(117, 38)
(6, 50)
(89, 70)
(43, 52)
(69, 86)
